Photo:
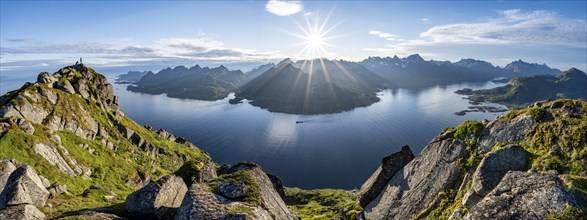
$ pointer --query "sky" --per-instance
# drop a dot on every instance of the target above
(146, 35)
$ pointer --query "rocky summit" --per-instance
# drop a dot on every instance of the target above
(68, 152)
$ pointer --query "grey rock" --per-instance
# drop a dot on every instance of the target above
(6, 168)
(492, 168)
(22, 212)
(232, 190)
(52, 156)
(126, 132)
(522, 195)
(27, 127)
(56, 138)
(46, 182)
(415, 186)
(159, 199)
(94, 215)
(23, 187)
(4, 126)
(504, 131)
(278, 184)
(45, 77)
(199, 203)
(64, 85)
(389, 166)
(57, 189)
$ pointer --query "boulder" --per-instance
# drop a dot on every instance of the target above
(27, 127)
(64, 85)
(46, 78)
(492, 168)
(504, 131)
(57, 189)
(199, 203)
(126, 132)
(22, 212)
(157, 200)
(23, 187)
(389, 166)
(232, 190)
(94, 215)
(417, 184)
(523, 195)
(6, 168)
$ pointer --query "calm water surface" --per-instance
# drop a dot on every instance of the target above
(335, 150)
(325, 151)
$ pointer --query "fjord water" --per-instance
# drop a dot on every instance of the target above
(325, 151)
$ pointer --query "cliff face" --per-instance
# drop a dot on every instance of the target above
(528, 164)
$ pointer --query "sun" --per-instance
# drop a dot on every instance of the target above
(314, 36)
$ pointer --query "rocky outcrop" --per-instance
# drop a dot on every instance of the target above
(157, 200)
(415, 186)
(52, 156)
(522, 195)
(40, 104)
(278, 184)
(23, 187)
(504, 131)
(22, 212)
(492, 168)
(94, 215)
(389, 166)
(200, 203)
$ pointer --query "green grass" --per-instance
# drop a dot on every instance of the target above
(321, 203)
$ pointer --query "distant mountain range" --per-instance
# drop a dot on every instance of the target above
(522, 91)
(321, 85)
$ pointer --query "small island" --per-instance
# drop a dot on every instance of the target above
(522, 91)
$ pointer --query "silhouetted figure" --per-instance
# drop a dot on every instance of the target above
(80, 60)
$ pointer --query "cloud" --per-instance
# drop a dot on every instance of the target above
(283, 8)
(425, 20)
(307, 13)
(510, 34)
(511, 27)
(385, 35)
(120, 53)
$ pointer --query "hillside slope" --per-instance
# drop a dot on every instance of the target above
(527, 164)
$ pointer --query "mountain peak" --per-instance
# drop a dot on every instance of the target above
(414, 58)
(285, 61)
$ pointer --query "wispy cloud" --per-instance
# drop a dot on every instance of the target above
(117, 53)
(283, 8)
(425, 20)
(524, 30)
(385, 35)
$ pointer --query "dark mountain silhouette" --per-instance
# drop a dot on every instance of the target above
(194, 82)
(313, 87)
(415, 72)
